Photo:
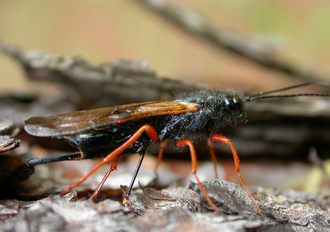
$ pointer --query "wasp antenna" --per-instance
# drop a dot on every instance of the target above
(256, 97)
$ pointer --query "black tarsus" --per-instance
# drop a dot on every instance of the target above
(137, 169)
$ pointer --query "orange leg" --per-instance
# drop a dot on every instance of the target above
(214, 158)
(112, 168)
(221, 139)
(151, 132)
(160, 156)
(182, 143)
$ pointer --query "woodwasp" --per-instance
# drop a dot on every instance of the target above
(112, 132)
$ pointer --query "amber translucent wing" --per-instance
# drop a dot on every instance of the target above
(80, 121)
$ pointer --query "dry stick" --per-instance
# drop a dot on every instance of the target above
(194, 23)
(118, 82)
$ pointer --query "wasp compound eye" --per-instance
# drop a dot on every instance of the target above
(234, 106)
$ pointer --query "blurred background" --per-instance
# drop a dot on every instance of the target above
(295, 33)
(103, 31)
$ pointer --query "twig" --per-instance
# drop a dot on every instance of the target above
(256, 50)
(119, 82)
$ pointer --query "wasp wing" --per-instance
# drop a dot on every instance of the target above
(103, 118)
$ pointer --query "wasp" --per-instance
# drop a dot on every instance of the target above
(113, 132)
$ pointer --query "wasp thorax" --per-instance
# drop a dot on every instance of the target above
(217, 110)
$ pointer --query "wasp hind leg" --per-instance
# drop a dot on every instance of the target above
(149, 130)
(106, 176)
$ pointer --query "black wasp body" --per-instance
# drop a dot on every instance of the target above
(216, 110)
